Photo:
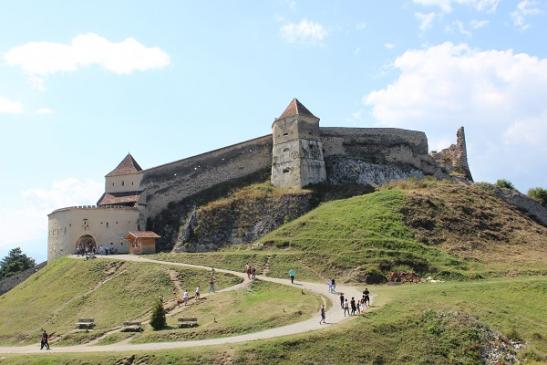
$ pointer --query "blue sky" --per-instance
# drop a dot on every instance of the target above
(83, 83)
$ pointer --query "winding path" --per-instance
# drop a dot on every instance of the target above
(334, 315)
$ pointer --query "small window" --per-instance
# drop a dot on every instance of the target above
(112, 183)
(285, 150)
(106, 224)
(285, 170)
(131, 182)
(286, 133)
(123, 183)
(116, 222)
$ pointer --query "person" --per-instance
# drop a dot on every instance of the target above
(212, 281)
(197, 293)
(249, 271)
(366, 296)
(346, 307)
(329, 284)
(253, 273)
(323, 315)
(44, 341)
(342, 300)
(292, 274)
(358, 306)
(353, 306)
(185, 297)
(333, 285)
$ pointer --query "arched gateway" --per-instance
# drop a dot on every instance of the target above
(86, 243)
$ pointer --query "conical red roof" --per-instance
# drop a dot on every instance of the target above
(294, 108)
(126, 167)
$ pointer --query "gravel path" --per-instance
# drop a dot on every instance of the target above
(334, 315)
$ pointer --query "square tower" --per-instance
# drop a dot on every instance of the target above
(297, 155)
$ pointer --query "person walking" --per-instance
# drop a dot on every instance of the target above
(292, 274)
(353, 306)
(346, 307)
(212, 281)
(358, 306)
(333, 285)
(329, 284)
(253, 273)
(197, 293)
(342, 300)
(366, 297)
(323, 315)
(185, 297)
(44, 342)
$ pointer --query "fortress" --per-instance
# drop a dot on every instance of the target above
(298, 153)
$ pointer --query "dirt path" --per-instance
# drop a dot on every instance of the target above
(334, 315)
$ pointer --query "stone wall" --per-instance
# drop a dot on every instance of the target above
(9, 283)
(454, 158)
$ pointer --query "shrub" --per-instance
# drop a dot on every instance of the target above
(158, 321)
(14, 263)
(502, 183)
(539, 194)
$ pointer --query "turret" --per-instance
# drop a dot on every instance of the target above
(297, 156)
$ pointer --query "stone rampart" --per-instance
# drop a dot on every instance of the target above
(9, 283)
(175, 181)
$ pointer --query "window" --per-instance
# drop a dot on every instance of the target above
(131, 182)
(286, 133)
(106, 224)
(286, 169)
(285, 150)
(113, 183)
(123, 183)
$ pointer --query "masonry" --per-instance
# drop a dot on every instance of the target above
(298, 153)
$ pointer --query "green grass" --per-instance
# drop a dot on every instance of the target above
(264, 305)
(108, 291)
(443, 323)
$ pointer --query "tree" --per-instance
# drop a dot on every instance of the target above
(15, 262)
(158, 321)
(539, 194)
(502, 183)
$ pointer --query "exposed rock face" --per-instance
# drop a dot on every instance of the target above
(9, 283)
(341, 170)
(240, 220)
(523, 203)
(454, 158)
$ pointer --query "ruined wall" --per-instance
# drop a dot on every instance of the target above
(454, 158)
(9, 283)
(373, 156)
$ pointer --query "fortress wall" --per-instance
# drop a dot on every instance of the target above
(173, 182)
(122, 183)
(105, 225)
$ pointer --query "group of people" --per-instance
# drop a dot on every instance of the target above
(197, 292)
(354, 306)
(87, 251)
(250, 271)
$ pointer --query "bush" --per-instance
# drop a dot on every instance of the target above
(158, 321)
(14, 263)
(502, 183)
(539, 194)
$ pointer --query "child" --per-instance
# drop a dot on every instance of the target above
(197, 293)
(323, 315)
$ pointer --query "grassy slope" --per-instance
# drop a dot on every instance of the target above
(408, 329)
(67, 289)
(265, 305)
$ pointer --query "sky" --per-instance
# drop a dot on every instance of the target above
(84, 83)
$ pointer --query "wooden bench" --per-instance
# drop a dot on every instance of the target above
(131, 326)
(85, 323)
(187, 322)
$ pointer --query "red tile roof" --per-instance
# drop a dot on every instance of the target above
(143, 234)
(126, 167)
(294, 108)
(119, 198)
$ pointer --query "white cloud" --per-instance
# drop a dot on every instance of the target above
(525, 8)
(478, 24)
(44, 111)
(10, 106)
(389, 45)
(305, 31)
(498, 95)
(41, 59)
(425, 19)
(447, 6)
(28, 221)
(458, 26)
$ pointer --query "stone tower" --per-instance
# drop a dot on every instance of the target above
(297, 156)
(454, 158)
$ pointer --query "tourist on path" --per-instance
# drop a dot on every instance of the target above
(185, 297)
(212, 281)
(323, 315)
(292, 274)
(342, 300)
(346, 308)
(329, 284)
(366, 297)
(249, 271)
(353, 307)
(253, 273)
(44, 342)
(333, 285)
(197, 293)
